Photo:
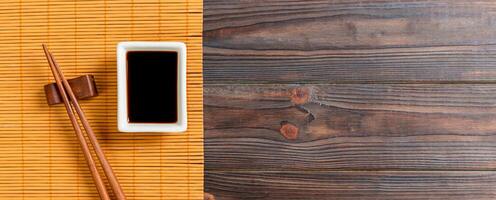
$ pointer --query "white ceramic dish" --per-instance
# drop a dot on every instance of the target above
(122, 110)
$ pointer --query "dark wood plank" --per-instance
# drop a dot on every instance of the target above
(351, 127)
(355, 41)
(351, 185)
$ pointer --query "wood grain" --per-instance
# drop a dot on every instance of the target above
(350, 99)
(351, 185)
(351, 127)
(354, 41)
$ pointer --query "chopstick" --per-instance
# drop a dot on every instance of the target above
(79, 134)
(65, 90)
(107, 169)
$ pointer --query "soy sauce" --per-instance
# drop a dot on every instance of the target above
(152, 86)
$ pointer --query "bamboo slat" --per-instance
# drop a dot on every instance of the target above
(40, 155)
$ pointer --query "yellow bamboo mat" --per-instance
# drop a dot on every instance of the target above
(39, 154)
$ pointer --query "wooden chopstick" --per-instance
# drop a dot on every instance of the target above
(107, 169)
(79, 134)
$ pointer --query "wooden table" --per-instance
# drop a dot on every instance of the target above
(318, 99)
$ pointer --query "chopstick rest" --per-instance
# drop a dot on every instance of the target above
(84, 87)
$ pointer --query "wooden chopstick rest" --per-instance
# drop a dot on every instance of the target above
(84, 87)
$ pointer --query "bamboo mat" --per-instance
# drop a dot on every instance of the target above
(40, 157)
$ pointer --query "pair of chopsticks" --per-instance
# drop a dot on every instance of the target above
(65, 90)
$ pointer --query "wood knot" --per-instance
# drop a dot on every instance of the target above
(300, 95)
(288, 130)
(208, 196)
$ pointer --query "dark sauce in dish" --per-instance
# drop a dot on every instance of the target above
(152, 86)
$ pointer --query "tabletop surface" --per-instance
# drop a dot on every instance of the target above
(350, 99)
